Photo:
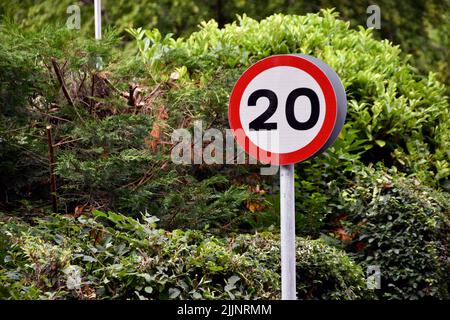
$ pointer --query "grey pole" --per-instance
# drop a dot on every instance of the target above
(287, 210)
(98, 19)
(98, 28)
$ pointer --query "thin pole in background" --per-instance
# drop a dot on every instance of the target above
(98, 19)
(98, 28)
(287, 223)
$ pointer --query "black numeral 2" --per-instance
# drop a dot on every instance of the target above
(260, 122)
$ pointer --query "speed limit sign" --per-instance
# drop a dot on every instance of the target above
(288, 108)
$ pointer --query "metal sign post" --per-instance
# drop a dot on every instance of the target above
(287, 211)
(293, 107)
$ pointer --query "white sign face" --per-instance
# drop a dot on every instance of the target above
(291, 107)
(273, 132)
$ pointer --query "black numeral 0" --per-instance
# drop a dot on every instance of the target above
(260, 122)
(315, 108)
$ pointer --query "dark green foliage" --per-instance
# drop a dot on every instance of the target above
(103, 157)
(22, 163)
(396, 117)
(419, 27)
(318, 275)
(399, 119)
(25, 58)
(28, 92)
(404, 227)
(113, 153)
(114, 256)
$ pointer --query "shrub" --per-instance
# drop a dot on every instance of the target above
(397, 117)
(323, 272)
(394, 116)
(30, 100)
(114, 162)
(402, 226)
(114, 256)
(411, 24)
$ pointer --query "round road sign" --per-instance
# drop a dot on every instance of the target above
(287, 108)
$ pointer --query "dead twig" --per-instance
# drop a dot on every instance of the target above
(91, 100)
(66, 142)
(51, 160)
(52, 116)
(134, 95)
(147, 176)
(138, 182)
(155, 89)
(82, 82)
(125, 95)
(61, 81)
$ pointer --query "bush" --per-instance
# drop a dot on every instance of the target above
(114, 161)
(113, 142)
(30, 100)
(411, 24)
(323, 272)
(402, 226)
(114, 256)
(395, 116)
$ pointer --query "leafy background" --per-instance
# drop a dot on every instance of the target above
(378, 196)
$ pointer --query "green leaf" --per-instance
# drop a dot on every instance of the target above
(174, 293)
(148, 290)
(196, 295)
(381, 143)
(97, 213)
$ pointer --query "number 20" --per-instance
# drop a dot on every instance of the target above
(260, 122)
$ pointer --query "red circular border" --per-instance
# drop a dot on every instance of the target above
(330, 109)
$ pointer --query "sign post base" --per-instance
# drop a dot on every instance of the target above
(287, 222)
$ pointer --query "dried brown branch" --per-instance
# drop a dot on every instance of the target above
(61, 81)
(82, 82)
(134, 95)
(51, 160)
(91, 100)
(65, 142)
(52, 116)
(123, 94)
